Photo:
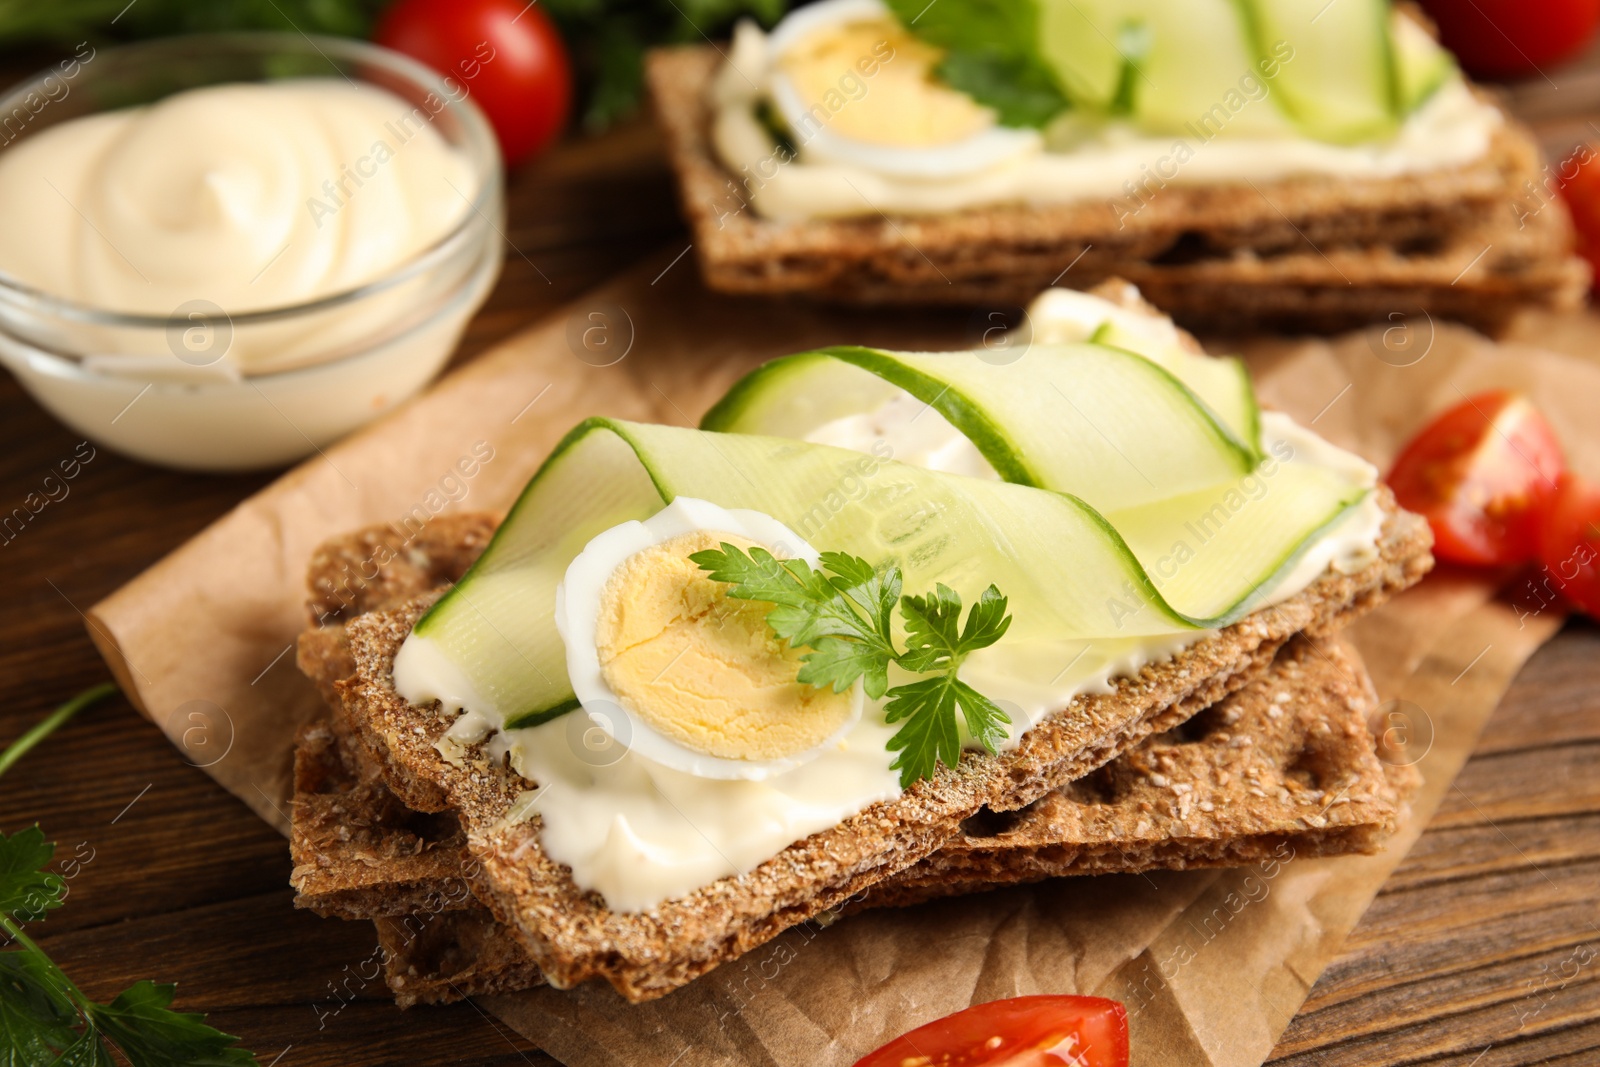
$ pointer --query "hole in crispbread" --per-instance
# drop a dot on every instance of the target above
(1202, 725)
(1313, 766)
(1190, 247)
(987, 823)
(1102, 786)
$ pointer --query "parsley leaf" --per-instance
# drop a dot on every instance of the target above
(150, 1034)
(991, 54)
(36, 1015)
(984, 718)
(844, 615)
(844, 619)
(929, 736)
(1022, 92)
(27, 890)
(934, 638)
(41, 1010)
(87, 1051)
(837, 662)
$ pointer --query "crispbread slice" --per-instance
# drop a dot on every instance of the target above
(370, 569)
(1289, 758)
(573, 936)
(358, 852)
(1307, 252)
(438, 957)
(1285, 766)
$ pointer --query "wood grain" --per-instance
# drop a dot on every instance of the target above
(1484, 948)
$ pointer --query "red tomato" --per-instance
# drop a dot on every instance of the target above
(1579, 182)
(1570, 546)
(505, 54)
(1020, 1032)
(1513, 38)
(1483, 474)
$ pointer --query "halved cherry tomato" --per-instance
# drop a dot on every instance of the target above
(1512, 38)
(1043, 1031)
(1570, 547)
(1579, 182)
(1483, 474)
(504, 54)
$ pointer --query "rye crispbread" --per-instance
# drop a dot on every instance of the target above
(358, 852)
(1286, 763)
(1306, 253)
(1288, 759)
(361, 854)
(378, 567)
(436, 958)
(573, 936)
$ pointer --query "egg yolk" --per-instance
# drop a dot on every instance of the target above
(703, 668)
(898, 103)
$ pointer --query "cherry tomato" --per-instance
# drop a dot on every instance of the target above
(1570, 545)
(1020, 1032)
(1579, 181)
(1513, 38)
(1483, 474)
(505, 54)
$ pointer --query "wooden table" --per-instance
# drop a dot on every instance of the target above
(1483, 950)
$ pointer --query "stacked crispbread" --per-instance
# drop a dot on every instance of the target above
(1284, 767)
(1468, 242)
(387, 828)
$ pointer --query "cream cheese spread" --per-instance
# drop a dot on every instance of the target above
(833, 176)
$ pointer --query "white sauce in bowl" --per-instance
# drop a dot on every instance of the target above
(246, 196)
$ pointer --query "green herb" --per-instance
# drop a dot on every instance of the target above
(606, 38)
(70, 21)
(45, 1019)
(991, 54)
(844, 614)
(776, 128)
(48, 725)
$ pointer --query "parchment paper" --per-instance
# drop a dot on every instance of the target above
(1211, 965)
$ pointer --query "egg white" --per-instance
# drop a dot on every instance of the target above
(970, 155)
(577, 615)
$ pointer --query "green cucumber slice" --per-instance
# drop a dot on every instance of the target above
(1221, 382)
(1422, 65)
(1339, 82)
(1180, 66)
(1067, 315)
(1087, 47)
(1073, 418)
(1188, 542)
(1200, 76)
(1068, 572)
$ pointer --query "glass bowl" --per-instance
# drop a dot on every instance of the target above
(203, 389)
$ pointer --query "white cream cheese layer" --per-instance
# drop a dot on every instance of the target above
(917, 435)
(1112, 162)
(639, 833)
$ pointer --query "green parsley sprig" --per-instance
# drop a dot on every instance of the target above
(992, 54)
(844, 615)
(45, 1019)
